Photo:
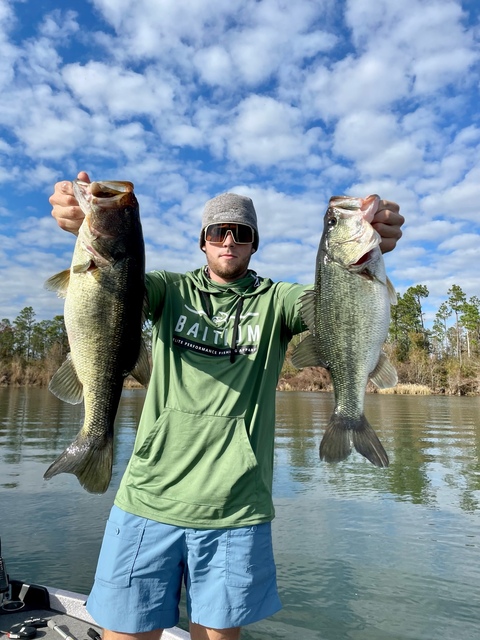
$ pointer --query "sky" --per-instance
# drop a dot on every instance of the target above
(287, 102)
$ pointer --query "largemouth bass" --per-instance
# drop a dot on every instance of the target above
(104, 292)
(348, 314)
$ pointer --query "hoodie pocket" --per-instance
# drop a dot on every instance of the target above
(201, 460)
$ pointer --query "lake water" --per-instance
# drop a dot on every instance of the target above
(362, 553)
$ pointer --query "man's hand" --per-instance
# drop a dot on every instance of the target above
(66, 210)
(387, 221)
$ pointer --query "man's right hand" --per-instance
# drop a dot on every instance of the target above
(66, 209)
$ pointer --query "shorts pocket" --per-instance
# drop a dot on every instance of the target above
(118, 553)
(249, 556)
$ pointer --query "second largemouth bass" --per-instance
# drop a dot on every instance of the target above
(348, 315)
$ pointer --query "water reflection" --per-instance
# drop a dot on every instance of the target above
(52, 530)
(362, 553)
(432, 442)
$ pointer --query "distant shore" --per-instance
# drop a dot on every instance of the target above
(309, 379)
(316, 379)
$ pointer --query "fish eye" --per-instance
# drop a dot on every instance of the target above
(332, 222)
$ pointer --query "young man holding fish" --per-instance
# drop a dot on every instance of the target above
(195, 502)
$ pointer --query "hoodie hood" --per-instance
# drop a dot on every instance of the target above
(236, 292)
(251, 285)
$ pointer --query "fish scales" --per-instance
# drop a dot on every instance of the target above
(104, 293)
(363, 338)
(348, 315)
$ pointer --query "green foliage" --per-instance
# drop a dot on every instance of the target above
(445, 358)
(407, 327)
(23, 330)
(456, 302)
(7, 339)
(31, 352)
(440, 329)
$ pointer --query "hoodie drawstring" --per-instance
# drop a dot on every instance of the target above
(236, 322)
(207, 303)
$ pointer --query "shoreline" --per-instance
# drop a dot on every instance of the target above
(292, 385)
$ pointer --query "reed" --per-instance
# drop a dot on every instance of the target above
(406, 389)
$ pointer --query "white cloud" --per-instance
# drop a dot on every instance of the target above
(214, 65)
(59, 25)
(188, 99)
(352, 84)
(433, 231)
(429, 39)
(266, 131)
(9, 52)
(122, 93)
(391, 154)
(460, 200)
(461, 242)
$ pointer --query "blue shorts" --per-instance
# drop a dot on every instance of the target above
(229, 575)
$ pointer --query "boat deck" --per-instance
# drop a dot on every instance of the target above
(51, 614)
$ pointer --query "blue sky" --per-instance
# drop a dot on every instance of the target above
(287, 102)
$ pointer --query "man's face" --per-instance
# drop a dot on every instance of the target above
(227, 260)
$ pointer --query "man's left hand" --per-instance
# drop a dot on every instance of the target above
(388, 221)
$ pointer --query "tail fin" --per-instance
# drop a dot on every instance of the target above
(90, 460)
(335, 445)
(337, 441)
(366, 442)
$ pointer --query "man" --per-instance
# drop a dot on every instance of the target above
(195, 502)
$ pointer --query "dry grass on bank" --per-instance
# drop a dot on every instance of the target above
(308, 379)
(407, 390)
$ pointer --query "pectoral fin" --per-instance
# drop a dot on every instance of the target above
(305, 354)
(384, 375)
(307, 308)
(59, 283)
(65, 383)
(141, 371)
(392, 294)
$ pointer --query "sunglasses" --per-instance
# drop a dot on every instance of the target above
(241, 233)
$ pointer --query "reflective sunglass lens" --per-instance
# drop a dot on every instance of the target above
(242, 233)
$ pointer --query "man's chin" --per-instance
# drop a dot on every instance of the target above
(229, 272)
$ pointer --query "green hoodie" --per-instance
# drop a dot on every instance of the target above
(203, 456)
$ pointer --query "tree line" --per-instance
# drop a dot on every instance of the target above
(31, 351)
(445, 356)
(459, 338)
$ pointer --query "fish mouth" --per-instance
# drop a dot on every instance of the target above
(364, 259)
(104, 204)
(357, 247)
(368, 252)
(351, 206)
(107, 194)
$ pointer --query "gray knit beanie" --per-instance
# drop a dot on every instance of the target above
(230, 207)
